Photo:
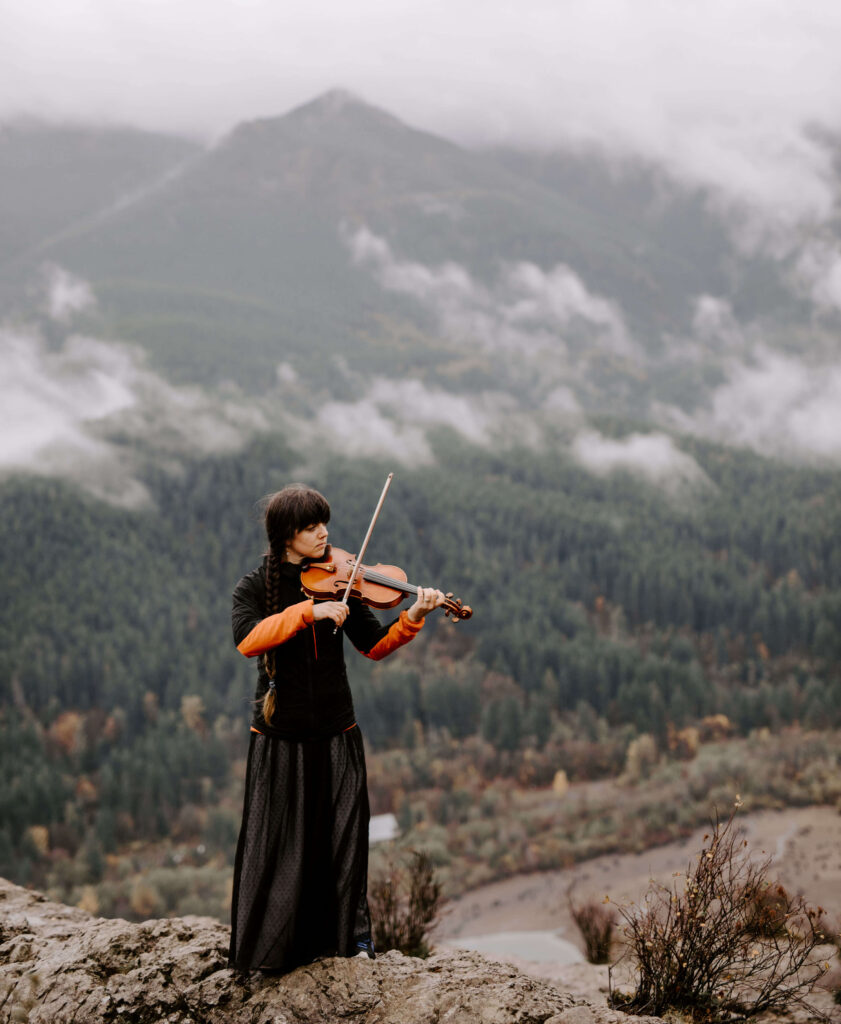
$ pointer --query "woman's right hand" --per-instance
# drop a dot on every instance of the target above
(334, 610)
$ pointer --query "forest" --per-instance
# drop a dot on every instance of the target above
(612, 618)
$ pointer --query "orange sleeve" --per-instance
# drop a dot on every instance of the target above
(400, 632)
(276, 629)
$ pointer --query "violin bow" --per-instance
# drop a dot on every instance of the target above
(361, 554)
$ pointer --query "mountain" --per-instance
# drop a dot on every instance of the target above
(55, 177)
(436, 305)
(242, 259)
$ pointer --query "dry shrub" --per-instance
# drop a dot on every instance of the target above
(768, 910)
(702, 948)
(596, 922)
(404, 903)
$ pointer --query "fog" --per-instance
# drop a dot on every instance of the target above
(654, 457)
(66, 293)
(524, 313)
(733, 96)
(92, 411)
(777, 404)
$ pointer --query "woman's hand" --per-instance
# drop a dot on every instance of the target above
(428, 598)
(334, 610)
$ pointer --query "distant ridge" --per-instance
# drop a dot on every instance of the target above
(242, 260)
(337, 118)
(341, 103)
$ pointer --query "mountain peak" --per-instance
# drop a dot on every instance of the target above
(340, 105)
(334, 101)
(337, 111)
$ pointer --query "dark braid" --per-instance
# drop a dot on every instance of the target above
(286, 512)
(272, 608)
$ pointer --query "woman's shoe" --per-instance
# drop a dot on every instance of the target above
(365, 947)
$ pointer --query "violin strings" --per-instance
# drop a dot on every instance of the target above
(388, 581)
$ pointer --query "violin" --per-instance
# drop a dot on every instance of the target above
(380, 586)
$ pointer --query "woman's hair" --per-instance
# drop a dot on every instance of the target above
(285, 513)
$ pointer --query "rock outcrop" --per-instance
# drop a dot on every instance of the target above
(60, 965)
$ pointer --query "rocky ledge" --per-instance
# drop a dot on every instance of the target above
(60, 965)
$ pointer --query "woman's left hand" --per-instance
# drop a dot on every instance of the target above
(428, 598)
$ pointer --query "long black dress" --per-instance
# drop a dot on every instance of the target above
(300, 875)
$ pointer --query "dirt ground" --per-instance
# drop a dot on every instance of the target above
(804, 844)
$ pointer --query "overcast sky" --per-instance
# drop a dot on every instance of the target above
(728, 93)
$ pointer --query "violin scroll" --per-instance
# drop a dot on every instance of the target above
(455, 607)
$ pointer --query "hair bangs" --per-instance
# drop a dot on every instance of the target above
(292, 509)
(309, 509)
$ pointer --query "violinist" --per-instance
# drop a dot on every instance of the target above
(300, 874)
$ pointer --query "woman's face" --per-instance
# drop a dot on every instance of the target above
(307, 543)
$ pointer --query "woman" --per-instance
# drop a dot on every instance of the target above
(300, 875)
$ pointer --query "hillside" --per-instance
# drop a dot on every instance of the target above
(337, 230)
(615, 436)
(57, 177)
(603, 613)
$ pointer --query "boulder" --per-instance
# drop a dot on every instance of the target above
(60, 965)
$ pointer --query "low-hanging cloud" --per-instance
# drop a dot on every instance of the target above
(740, 98)
(393, 417)
(92, 411)
(558, 297)
(653, 457)
(774, 403)
(87, 410)
(525, 312)
(66, 293)
(818, 270)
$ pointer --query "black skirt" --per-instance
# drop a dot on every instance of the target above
(301, 869)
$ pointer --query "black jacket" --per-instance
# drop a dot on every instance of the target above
(313, 698)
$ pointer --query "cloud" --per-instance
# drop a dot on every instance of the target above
(393, 416)
(67, 294)
(714, 322)
(818, 270)
(559, 297)
(49, 396)
(92, 411)
(524, 312)
(361, 428)
(88, 410)
(775, 404)
(735, 97)
(654, 457)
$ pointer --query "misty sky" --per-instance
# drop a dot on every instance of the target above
(740, 97)
(729, 93)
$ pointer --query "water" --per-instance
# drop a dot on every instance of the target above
(538, 947)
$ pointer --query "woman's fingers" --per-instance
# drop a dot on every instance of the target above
(339, 612)
(334, 610)
(428, 598)
(432, 598)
